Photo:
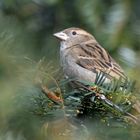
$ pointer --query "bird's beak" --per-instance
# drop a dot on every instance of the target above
(62, 36)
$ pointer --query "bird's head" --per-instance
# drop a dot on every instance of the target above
(73, 36)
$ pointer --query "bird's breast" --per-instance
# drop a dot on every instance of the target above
(72, 70)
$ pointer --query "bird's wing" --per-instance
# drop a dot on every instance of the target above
(93, 57)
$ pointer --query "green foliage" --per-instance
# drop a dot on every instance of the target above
(29, 53)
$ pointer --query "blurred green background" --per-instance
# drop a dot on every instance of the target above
(26, 37)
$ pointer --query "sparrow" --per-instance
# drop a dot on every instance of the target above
(82, 57)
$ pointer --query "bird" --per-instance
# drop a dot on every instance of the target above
(82, 57)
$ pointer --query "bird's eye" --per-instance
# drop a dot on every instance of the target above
(74, 33)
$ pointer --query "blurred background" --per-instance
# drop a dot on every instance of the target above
(26, 38)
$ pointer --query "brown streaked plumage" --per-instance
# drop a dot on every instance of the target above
(82, 56)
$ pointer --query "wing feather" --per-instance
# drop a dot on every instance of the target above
(93, 57)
